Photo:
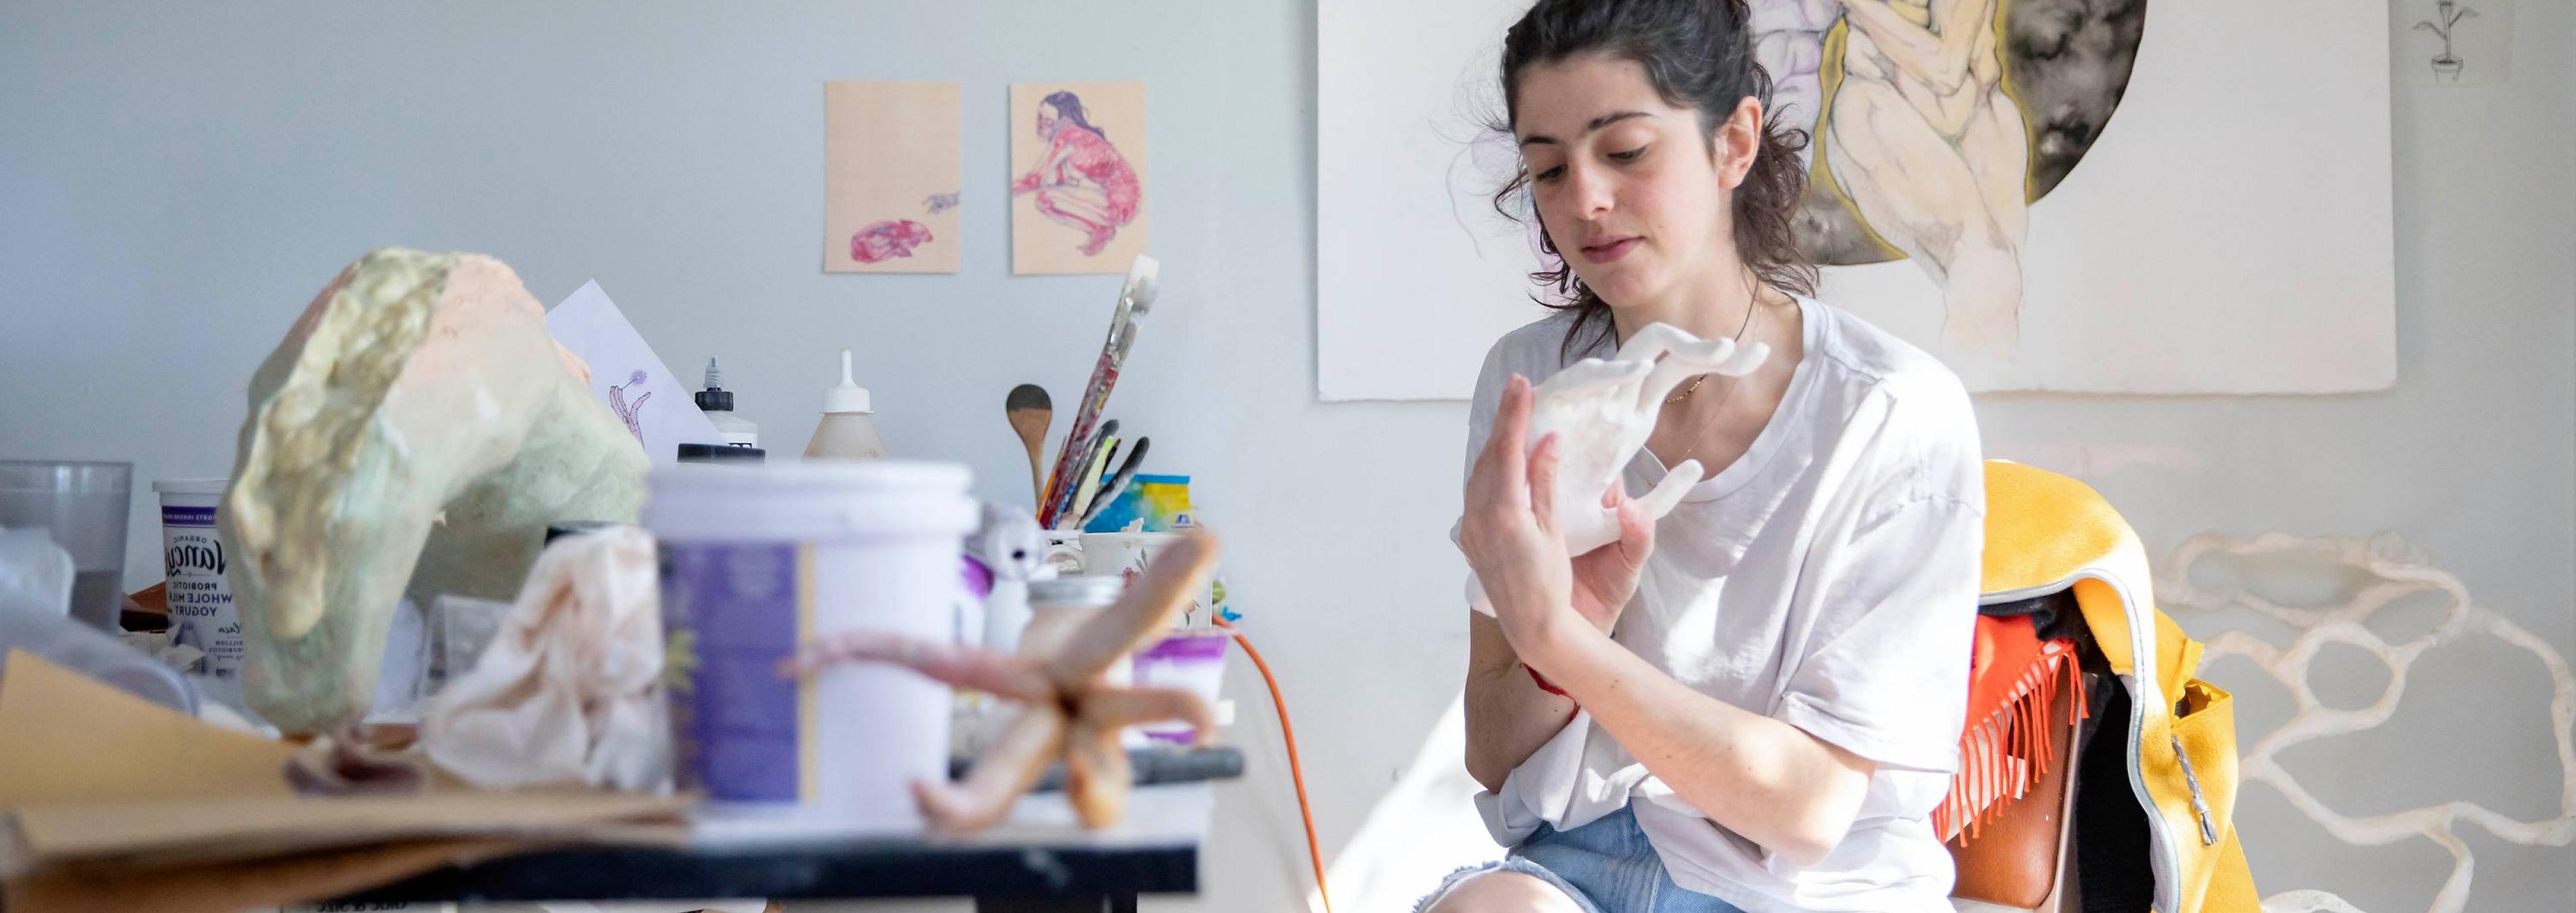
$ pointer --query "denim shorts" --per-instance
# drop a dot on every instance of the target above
(1606, 866)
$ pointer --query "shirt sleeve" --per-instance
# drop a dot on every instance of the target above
(1884, 671)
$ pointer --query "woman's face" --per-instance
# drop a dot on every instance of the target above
(1626, 185)
(1046, 120)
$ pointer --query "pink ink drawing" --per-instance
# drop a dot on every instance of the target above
(632, 413)
(887, 240)
(1081, 182)
(940, 202)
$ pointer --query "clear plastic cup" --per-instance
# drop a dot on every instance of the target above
(82, 505)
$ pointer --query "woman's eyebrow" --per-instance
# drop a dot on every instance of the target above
(1596, 124)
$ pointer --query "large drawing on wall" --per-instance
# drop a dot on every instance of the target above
(2117, 196)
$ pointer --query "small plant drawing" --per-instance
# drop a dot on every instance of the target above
(632, 413)
(2446, 16)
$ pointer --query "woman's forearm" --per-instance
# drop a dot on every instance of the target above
(1764, 779)
(1508, 715)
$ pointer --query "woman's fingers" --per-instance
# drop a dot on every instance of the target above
(1542, 483)
(1511, 435)
(1614, 495)
(1636, 532)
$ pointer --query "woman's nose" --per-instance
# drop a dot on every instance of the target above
(1592, 194)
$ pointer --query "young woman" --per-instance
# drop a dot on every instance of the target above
(1081, 181)
(1754, 704)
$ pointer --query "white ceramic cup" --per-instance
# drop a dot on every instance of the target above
(1126, 554)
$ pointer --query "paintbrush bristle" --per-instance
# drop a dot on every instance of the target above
(1028, 396)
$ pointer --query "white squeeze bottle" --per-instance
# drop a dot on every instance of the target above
(717, 403)
(846, 433)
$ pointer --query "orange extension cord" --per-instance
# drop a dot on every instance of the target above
(1288, 733)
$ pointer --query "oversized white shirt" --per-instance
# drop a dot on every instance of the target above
(1828, 579)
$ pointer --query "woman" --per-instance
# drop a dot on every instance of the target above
(1754, 704)
(1081, 180)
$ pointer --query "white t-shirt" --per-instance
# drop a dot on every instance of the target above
(1828, 579)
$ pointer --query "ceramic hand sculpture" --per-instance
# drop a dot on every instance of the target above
(418, 428)
(1059, 678)
(1602, 412)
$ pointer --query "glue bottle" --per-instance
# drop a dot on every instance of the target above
(847, 431)
(717, 403)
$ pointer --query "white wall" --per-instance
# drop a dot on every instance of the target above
(177, 179)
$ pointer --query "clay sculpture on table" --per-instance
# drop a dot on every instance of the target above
(1059, 678)
(413, 435)
(1602, 412)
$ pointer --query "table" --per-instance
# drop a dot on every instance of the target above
(1040, 859)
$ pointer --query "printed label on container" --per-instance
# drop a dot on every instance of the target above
(201, 602)
(731, 612)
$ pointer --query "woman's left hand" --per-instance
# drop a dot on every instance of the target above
(1510, 534)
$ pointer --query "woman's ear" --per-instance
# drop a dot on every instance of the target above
(1737, 143)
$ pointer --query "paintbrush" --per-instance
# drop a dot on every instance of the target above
(1117, 484)
(1135, 300)
(1030, 412)
(1062, 509)
(1090, 486)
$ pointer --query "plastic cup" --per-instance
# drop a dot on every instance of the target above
(82, 505)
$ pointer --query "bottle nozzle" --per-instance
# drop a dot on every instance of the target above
(848, 396)
(715, 378)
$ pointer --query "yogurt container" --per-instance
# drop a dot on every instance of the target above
(193, 558)
(760, 559)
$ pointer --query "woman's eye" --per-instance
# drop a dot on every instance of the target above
(1628, 156)
(1549, 175)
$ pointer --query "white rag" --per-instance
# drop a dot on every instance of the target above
(566, 693)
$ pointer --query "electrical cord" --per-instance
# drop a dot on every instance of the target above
(1287, 733)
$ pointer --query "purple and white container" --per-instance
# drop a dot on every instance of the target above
(193, 558)
(761, 558)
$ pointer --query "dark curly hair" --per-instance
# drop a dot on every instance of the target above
(1697, 54)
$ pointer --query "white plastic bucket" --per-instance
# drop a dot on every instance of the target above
(761, 558)
(193, 557)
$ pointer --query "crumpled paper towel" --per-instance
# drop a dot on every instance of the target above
(568, 690)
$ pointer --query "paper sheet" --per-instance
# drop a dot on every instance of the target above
(890, 177)
(1078, 195)
(640, 390)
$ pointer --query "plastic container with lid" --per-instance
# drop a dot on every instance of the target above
(848, 430)
(193, 560)
(760, 559)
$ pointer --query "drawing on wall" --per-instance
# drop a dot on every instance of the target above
(1929, 155)
(1995, 181)
(627, 377)
(2446, 17)
(890, 177)
(1078, 186)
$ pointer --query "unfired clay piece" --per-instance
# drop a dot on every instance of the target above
(417, 428)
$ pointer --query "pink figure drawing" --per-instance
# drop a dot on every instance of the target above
(632, 413)
(887, 240)
(1081, 181)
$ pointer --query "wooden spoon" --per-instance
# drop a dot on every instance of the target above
(1031, 411)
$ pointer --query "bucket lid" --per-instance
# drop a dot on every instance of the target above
(824, 499)
(190, 486)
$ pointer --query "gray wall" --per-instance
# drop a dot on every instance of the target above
(177, 179)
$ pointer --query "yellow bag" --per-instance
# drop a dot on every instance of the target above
(2046, 534)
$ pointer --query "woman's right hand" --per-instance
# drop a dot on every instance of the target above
(1605, 577)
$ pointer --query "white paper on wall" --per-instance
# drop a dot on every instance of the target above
(655, 404)
(2225, 227)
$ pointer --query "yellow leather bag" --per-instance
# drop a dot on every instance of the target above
(2046, 534)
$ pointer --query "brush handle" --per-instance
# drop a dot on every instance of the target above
(1117, 484)
(1086, 416)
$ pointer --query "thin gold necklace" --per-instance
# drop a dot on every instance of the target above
(1750, 309)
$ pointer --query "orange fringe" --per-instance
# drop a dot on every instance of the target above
(2002, 754)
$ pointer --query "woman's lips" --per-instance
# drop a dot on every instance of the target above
(1607, 252)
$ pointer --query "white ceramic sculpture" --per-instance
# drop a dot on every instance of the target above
(417, 429)
(1603, 411)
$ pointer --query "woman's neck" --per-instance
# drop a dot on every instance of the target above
(1711, 305)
